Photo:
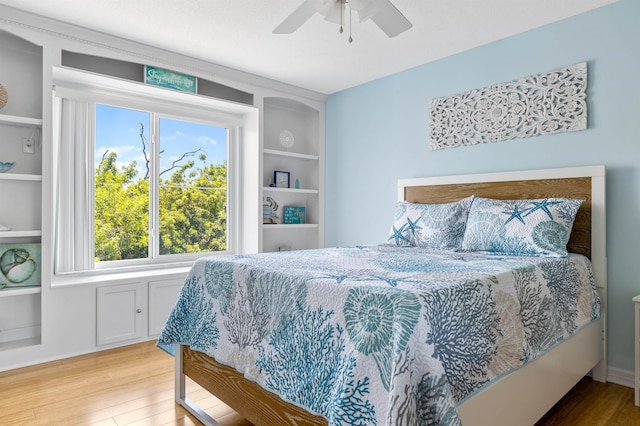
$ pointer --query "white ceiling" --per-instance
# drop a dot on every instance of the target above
(237, 33)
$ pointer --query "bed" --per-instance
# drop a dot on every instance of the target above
(520, 395)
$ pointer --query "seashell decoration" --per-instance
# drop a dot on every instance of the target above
(6, 166)
(380, 322)
(4, 96)
(286, 139)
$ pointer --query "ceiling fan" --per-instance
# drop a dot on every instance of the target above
(382, 12)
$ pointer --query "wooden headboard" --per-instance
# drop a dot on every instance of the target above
(586, 183)
(580, 188)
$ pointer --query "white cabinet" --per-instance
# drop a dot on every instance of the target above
(163, 295)
(120, 313)
(134, 311)
(293, 142)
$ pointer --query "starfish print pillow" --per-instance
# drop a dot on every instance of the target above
(538, 227)
(434, 226)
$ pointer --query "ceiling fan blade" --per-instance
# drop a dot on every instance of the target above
(389, 19)
(297, 18)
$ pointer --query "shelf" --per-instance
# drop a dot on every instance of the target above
(286, 154)
(288, 226)
(19, 176)
(20, 233)
(290, 190)
(17, 344)
(14, 120)
(20, 291)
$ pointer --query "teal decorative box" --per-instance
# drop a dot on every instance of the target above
(294, 214)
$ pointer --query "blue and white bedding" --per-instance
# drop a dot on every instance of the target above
(380, 335)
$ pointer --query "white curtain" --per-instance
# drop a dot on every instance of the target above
(73, 153)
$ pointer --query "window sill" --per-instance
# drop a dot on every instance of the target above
(112, 276)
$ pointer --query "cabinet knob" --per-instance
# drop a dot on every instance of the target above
(139, 311)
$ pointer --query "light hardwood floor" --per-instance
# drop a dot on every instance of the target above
(133, 385)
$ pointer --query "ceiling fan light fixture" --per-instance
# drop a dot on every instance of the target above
(324, 7)
(336, 14)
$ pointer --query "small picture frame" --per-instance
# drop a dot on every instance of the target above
(281, 179)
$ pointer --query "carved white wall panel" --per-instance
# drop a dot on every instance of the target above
(552, 102)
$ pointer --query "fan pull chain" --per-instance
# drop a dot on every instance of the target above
(341, 16)
(350, 25)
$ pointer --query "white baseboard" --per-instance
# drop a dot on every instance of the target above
(620, 377)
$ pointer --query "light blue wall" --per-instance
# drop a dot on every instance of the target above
(378, 133)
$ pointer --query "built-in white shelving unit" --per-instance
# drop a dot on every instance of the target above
(293, 142)
(21, 186)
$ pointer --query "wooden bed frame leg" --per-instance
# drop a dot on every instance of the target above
(180, 395)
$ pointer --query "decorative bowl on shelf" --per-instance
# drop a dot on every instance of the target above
(6, 166)
(4, 96)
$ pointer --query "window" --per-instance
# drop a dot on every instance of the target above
(147, 177)
(159, 193)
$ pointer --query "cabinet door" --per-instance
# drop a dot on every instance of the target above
(163, 295)
(120, 313)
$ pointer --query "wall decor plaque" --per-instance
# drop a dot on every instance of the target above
(170, 79)
(547, 103)
(19, 265)
(294, 215)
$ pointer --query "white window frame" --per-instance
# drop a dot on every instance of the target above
(91, 88)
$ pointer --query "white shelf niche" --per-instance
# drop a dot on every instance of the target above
(302, 161)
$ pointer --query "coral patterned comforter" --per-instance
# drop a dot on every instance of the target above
(380, 335)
